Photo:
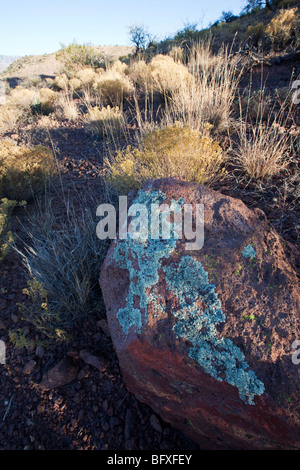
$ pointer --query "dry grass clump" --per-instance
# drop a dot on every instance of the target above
(63, 258)
(210, 95)
(113, 87)
(67, 108)
(106, 122)
(170, 152)
(263, 150)
(284, 28)
(23, 171)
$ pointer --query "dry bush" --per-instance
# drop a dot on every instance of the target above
(118, 67)
(87, 77)
(140, 74)
(74, 84)
(22, 98)
(284, 28)
(105, 122)
(168, 76)
(210, 95)
(21, 102)
(23, 171)
(67, 108)
(258, 104)
(113, 87)
(170, 152)
(60, 82)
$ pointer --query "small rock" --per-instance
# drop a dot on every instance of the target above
(29, 367)
(39, 352)
(2, 325)
(64, 372)
(95, 361)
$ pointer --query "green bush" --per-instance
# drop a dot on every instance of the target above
(77, 56)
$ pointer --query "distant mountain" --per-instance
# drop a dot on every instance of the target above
(6, 60)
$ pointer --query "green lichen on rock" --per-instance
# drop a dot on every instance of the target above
(199, 308)
(219, 357)
(142, 259)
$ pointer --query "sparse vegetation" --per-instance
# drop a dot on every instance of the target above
(161, 155)
(24, 171)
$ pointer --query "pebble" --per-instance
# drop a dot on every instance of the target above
(29, 367)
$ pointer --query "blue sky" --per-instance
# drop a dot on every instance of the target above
(39, 27)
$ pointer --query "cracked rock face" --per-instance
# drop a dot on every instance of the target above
(204, 336)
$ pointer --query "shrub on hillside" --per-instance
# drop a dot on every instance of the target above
(284, 28)
(77, 56)
(170, 152)
(23, 171)
(113, 87)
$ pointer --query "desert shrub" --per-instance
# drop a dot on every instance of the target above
(6, 236)
(63, 260)
(170, 152)
(60, 82)
(140, 74)
(113, 87)
(167, 75)
(23, 171)
(118, 67)
(284, 28)
(22, 98)
(77, 56)
(67, 108)
(87, 77)
(255, 32)
(22, 102)
(74, 84)
(105, 122)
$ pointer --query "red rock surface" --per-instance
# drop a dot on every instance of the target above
(259, 296)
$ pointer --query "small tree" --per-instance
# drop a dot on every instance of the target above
(139, 37)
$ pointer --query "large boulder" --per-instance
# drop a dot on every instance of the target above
(204, 336)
